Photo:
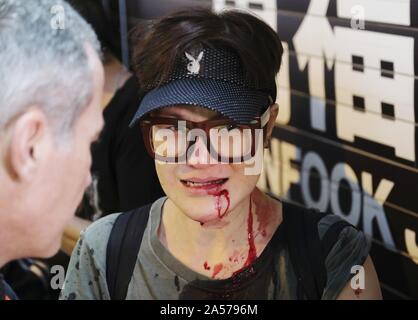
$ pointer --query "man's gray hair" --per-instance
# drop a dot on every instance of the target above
(43, 61)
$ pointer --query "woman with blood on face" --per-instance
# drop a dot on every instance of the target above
(215, 235)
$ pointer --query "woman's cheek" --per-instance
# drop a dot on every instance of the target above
(166, 176)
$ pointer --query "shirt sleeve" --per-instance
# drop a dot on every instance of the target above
(86, 273)
(351, 249)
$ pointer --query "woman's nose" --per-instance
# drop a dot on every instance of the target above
(199, 155)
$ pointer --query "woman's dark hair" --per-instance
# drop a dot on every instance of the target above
(157, 45)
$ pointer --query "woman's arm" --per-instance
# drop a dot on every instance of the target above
(371, 289)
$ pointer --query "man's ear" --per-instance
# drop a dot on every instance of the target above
(26, 139)
(274, 111)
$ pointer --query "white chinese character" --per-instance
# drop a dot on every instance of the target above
(265, 9)
(396, 90)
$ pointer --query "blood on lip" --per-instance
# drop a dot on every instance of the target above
(205, 181)
(213, 184)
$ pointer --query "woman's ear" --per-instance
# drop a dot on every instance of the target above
(274, 111)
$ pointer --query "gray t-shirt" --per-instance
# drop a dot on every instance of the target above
(159, 275)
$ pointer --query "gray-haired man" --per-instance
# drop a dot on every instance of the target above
(51, 83)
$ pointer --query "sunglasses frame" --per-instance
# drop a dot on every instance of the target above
(148, 122)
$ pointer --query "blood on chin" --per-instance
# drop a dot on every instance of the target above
(213, 209)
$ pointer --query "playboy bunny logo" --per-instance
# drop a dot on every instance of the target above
(194, 64)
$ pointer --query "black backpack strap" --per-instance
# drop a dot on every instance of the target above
(122, 250)
(331, 236)
(305, 249)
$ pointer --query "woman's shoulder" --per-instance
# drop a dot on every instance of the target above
(330, 220)
(343, 245)
(97, 234)
(346, 255)
(324, 221)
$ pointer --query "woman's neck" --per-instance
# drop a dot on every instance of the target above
(220, 250)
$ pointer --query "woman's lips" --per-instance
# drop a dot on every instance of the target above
(204, 186)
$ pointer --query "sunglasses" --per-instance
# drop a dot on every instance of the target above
(173, 140)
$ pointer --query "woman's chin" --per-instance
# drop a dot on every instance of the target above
(209, 219)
